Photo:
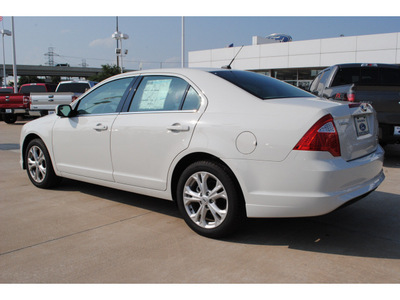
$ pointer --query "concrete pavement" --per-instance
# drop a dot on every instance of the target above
(82, 233)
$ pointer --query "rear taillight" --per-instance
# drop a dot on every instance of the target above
(351, 97)
(322, 136)
(26, 100)
(345, 97)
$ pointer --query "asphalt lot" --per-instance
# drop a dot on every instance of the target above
(82, 233)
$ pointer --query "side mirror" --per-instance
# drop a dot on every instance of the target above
(64, 110)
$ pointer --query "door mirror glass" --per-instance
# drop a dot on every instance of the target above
(64, 110)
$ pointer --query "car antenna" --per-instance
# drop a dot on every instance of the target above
(229, 66)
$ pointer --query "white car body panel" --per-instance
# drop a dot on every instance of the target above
(92, 160)
(138, 153)
(157, 135)
(302, 186)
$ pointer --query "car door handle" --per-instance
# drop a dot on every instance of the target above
(178, 127)
(100, 127)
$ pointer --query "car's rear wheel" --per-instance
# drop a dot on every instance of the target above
(209, 200)
(10, 118)
(38, 165)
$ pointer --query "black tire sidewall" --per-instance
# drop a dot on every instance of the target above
(10, 118)
(235, 213)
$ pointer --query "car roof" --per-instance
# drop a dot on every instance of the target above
(181, 71)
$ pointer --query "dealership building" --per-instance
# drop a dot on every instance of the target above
(298, 62)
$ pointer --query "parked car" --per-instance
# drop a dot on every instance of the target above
(65, 93)
(17, 104)
(6, 90)
(376, 84)
(223, 144)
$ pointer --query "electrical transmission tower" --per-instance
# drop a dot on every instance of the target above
(51, 55)
(84, 64)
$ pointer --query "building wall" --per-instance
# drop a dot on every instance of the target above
(320, 53)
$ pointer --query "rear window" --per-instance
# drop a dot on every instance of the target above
(261, 86)
(73, 87)
(7, 91)
(377, 76)
(33, 89)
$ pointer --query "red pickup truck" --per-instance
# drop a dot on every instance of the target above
(6, 90)
(12, 105)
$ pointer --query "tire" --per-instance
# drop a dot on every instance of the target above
(10, 118)
(209, 200)
(38, 165)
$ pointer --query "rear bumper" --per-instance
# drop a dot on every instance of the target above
(307, 183)
(14, 111)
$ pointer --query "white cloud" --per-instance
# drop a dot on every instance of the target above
(106, 42)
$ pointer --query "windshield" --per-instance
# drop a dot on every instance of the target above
(75, 87)
(261, 86)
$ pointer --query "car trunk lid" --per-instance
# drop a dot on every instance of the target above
(358, 131)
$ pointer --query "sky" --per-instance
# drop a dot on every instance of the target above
(83, 36)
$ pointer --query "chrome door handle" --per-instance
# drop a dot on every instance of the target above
(176, 127)
(100, 127)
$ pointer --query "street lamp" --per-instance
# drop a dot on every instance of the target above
(3, 33)
(119, 37)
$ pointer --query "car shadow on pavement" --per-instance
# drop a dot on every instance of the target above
(368, 228)
(140, 201)
(392, 156)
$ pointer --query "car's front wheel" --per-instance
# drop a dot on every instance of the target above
(38, 165)
(209, 199)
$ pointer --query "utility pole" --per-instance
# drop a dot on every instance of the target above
(14, 57)
(3, 33)
(119, 51)
(183, 43)
(116, 30)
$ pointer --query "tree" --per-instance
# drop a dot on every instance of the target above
(55, 79)
(29, 79)
(107, 71)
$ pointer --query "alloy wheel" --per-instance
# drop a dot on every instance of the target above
(37, 164)
(205, 200)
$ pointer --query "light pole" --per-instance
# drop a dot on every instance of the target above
(3, 33)
(119, 37)
(183, 44)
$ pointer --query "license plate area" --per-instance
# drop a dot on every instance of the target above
(361, 124)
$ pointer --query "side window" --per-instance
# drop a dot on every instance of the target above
(315, 82)
(192, 100)
(161, 93)
(319, 83)
(324, 78)
(104, 99)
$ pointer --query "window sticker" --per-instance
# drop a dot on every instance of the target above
(154, 94)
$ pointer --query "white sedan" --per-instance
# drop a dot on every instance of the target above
(223, 144)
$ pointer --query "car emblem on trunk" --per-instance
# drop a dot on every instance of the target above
(364, 107)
